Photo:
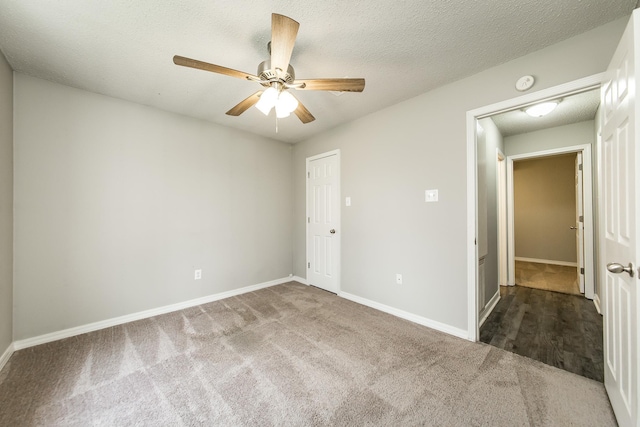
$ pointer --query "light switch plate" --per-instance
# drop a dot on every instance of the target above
(347, 201)
(431, 195)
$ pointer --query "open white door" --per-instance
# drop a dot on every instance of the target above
(323, 221)
(579, 227)
(619, 216)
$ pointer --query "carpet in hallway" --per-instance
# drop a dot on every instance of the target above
(548, 277)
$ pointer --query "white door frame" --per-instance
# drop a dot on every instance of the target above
(580, 229)
(503, 229)
(589, 264)
(580, 85)
(338, 235)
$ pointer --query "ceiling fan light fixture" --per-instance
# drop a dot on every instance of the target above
(281, 111)
(542, 109)
(286, 105)
(267, 100)
(283, 101)
(287, 101)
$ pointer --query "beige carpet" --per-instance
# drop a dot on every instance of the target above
(287, 355)
(548, 277)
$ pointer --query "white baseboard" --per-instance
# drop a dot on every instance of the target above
(66, 333)
(596, 302)
(6, 355)
(489, 307)
(547, 261)
(300, 279)
(447, 329)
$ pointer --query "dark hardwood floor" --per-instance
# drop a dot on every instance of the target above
(557, 329)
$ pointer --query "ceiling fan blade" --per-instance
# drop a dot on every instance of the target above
(303, 114)
(245, 104)
(338, 85)
(283, 37)
(194, 63)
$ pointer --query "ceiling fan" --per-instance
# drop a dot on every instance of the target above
(277, 75)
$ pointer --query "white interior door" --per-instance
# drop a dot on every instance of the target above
(579, 227)
(323, 221)
(620, 240)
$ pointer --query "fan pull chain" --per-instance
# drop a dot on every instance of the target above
(276, 124)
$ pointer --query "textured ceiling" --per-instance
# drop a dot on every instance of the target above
(571, 109)
(124, 48)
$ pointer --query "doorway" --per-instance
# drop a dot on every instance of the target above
(545, 211)
(565, 90)
(537, 323)
(551, 220)
(521, 138)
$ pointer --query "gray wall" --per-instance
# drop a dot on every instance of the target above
(488, 178)
(557, 137)
(545, 208)
(390, 157)
(116, 204)
(6, 205)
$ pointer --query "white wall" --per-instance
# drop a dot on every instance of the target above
(390, 157)
(116, 204)
(6, 204)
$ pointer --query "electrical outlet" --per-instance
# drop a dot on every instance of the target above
(399, 279)
(197, 275)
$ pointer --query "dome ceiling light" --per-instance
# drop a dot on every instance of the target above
(542, 109)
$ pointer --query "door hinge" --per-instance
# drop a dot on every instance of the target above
(580, 167)
(581, 219)
(308, 174)
(308, 220)
(308, 265)
(581, 270)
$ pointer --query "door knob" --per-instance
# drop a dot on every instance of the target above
(332, 231)
(614, 267)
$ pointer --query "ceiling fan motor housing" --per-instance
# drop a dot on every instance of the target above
(266, 73)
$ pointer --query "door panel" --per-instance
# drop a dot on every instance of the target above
(620, 242)
(323, 222)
